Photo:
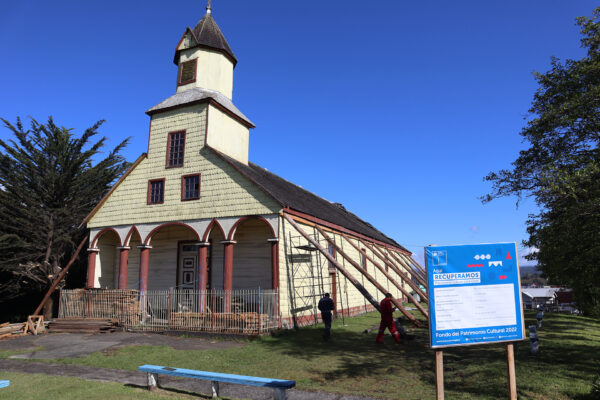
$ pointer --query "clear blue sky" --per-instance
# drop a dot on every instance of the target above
(397, 109)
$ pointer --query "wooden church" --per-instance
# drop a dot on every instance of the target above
(193, 227)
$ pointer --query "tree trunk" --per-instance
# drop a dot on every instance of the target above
(47, 310)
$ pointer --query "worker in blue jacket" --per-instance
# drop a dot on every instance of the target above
(326, 306)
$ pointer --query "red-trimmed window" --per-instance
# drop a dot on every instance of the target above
(363, 258)
(331, 251)
(156, 191)
(175, 149)
(190, 187)
(187, 72)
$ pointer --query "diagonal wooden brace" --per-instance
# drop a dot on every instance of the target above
(369, 277)
(335, 263)
(381, 255)
(407, 266)
(390, 278)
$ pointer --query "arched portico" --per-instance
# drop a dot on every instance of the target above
(103, 258)
(253, 265)
(196, 254)
(169, 258)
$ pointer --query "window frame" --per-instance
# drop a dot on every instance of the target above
(183, 178)
(169, 148)
(149, 194)
(330, 266)
(363, 258)
(180, 73)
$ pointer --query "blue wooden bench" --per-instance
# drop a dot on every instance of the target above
(279, 386)
(4, 384)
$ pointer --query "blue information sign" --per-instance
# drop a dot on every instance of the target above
(474, 294)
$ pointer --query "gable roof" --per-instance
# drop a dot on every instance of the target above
(296, 198)
(545, 292)
(207, 33)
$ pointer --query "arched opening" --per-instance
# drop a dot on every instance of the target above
(215, 258)
(133, 269)
(252, 255)
(107, 261)
(173, 258)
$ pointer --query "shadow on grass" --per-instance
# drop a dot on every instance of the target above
(356, 355)
(564, 367)
(172, 390)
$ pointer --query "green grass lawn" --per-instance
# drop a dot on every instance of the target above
(352, 363)
(43, 387)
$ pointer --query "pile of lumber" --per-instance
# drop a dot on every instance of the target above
(83, 325)
(8, 330)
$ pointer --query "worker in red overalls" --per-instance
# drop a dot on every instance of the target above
(387, 319)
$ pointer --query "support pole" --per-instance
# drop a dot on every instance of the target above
(418, 267)
(397, 270)
(274, 262)
(202, 273)
(439, 375)
(512, 378)
(390, 278)
(369, 277)
(144, 266)
(228, 273)
(334, 262)
(123, 266)
(91, 270)
(403, 262)
(412, 264)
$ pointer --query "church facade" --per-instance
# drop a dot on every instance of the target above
(194, 214)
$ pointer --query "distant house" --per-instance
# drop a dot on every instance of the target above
(565, 301)
(534, 298)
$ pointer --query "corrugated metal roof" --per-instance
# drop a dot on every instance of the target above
(196, 95)
(296, 198)
(539, 292)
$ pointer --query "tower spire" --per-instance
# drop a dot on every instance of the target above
(208, 8)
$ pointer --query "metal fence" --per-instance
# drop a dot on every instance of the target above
(251, 312)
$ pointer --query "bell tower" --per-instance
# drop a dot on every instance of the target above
(204, 58)
(201, 113)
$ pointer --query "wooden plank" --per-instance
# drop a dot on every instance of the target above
(369, 277)
(397, 270)
(299, 310)
(408, 268)
(390, 278)
(512, 378)
(407, 265)
(419, 267)
(439, 375)
(334, 262)
(415, 265)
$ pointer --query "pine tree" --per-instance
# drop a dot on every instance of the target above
(48, 184)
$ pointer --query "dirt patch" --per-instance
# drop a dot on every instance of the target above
(68, 345)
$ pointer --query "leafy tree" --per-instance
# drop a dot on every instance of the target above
(561, 170)
(48, 184)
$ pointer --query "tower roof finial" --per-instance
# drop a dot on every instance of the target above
(208, 8)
